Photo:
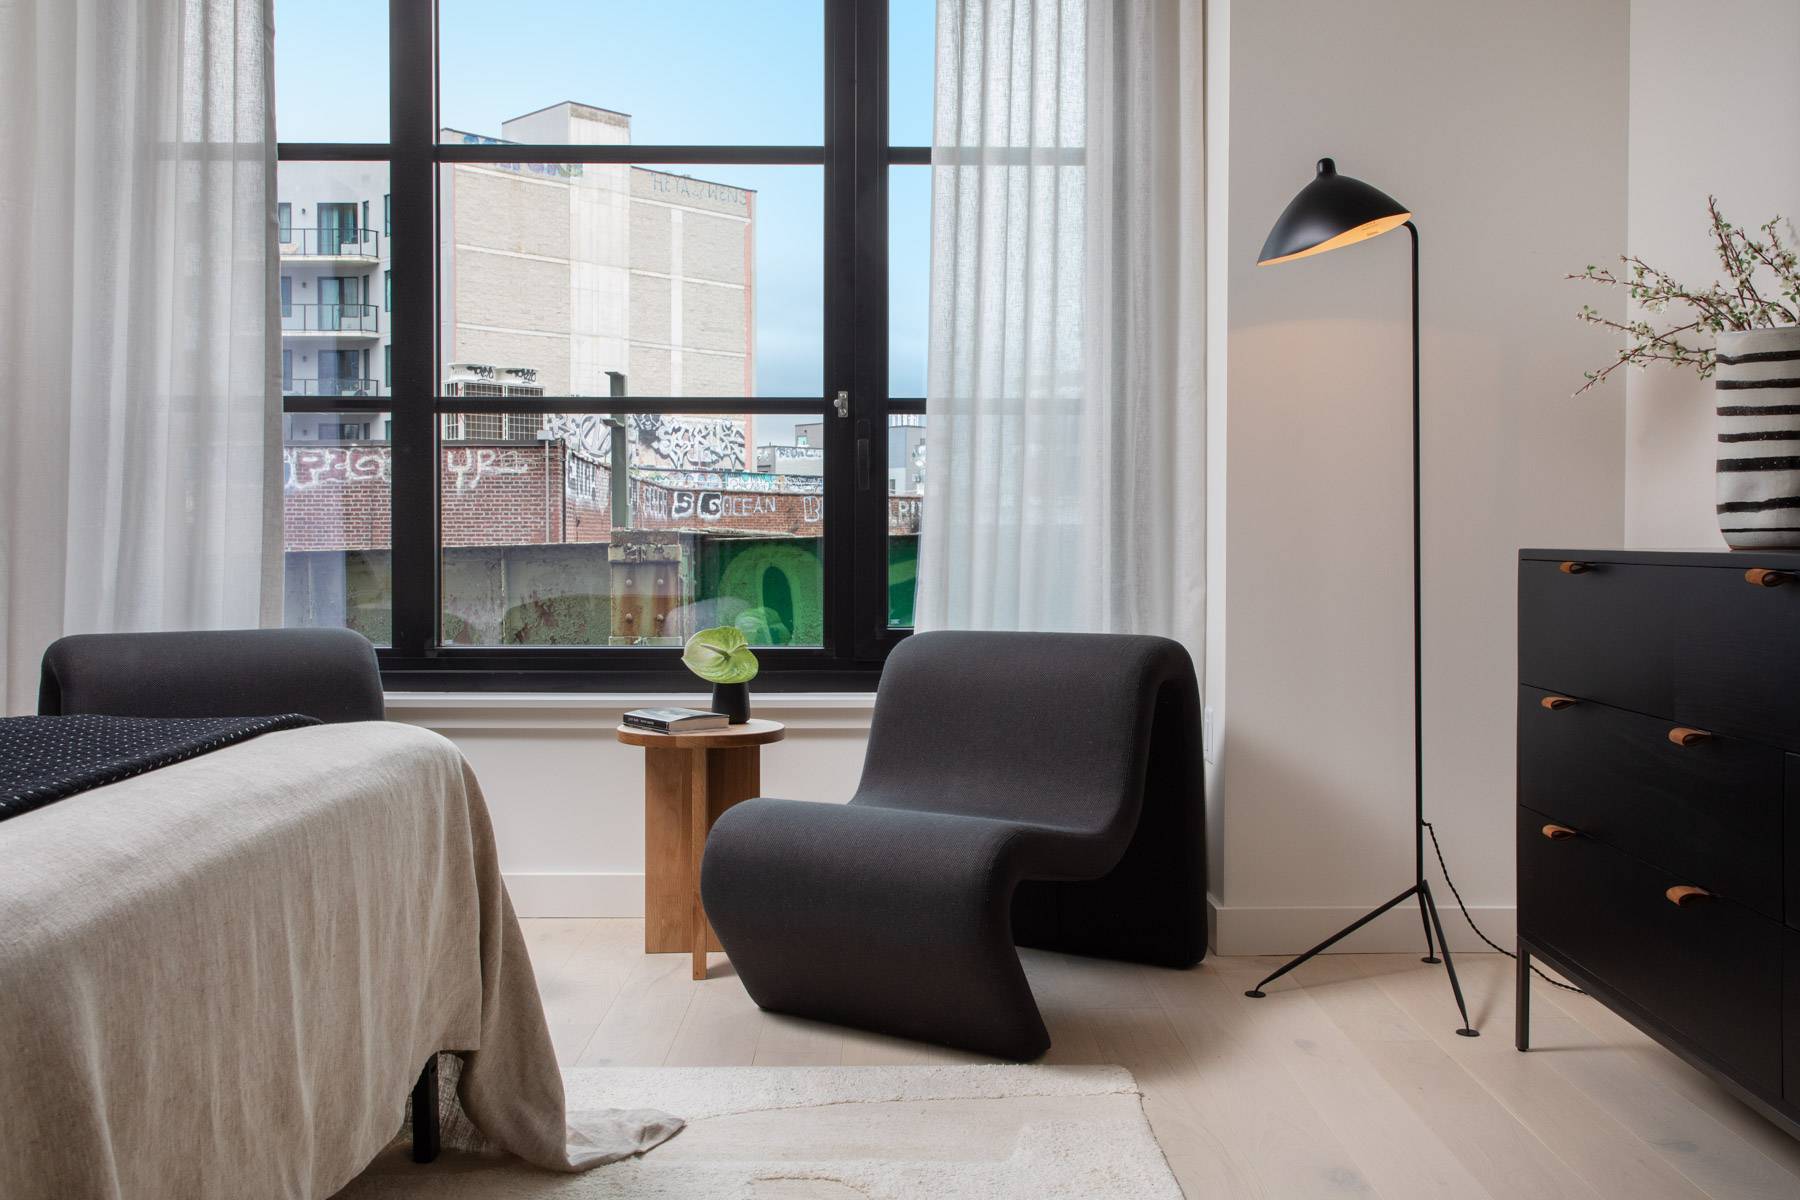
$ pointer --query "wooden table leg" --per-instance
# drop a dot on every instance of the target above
(668, 855)
(721, 778)
(699, 824)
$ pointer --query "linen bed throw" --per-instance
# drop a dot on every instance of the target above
(221, 978)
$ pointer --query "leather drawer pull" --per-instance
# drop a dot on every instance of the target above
(1575, 568)
(1763, 577)
(1555, 702)
(1559, 833)
(1684, 896)
(1683, 736)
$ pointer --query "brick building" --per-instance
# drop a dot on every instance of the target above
(531, 553)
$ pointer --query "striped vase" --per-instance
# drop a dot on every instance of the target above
(1758, 389)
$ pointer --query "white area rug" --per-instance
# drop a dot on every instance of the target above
(837, 1133)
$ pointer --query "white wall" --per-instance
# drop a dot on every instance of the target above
(568, 800)
(1503, 126)
(1715, 107)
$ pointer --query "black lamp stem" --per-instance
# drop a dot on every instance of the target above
(1418, 605)
(1428, 914)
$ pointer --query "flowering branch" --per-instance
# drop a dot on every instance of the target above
(1713, 310)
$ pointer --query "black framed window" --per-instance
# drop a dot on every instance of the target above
(639, 374)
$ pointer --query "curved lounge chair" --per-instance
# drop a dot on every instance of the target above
(1029, 788)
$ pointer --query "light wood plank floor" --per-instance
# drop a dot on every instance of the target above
(1348, 1080)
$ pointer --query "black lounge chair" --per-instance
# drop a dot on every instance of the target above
(1034, 789)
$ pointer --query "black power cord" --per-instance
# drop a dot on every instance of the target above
(1471, 920)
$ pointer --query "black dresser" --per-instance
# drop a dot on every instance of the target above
(1659, 801)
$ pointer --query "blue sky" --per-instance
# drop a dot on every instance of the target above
(688, 71)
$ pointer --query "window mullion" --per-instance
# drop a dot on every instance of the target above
(840, 291)
(412, 99)
(870, 333)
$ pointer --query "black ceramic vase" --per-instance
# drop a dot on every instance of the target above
(732, 699)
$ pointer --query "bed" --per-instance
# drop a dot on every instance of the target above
(222, 977)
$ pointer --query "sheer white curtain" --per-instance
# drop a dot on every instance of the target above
(1066, 455)
(139, 419)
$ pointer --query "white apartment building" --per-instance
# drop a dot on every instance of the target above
(553, 276)
(333, 227)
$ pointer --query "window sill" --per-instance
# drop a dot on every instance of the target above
(402, 701)
(527, 713)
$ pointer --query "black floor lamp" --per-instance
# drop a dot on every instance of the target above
(1331, 212)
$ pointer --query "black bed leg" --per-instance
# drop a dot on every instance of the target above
(425, 1114)
(1522, 1001)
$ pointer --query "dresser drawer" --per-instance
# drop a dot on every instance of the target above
(1791, 819)
(1736, 665)
(1791, 1021)
(1710, 970)
(1603, 633)
(1709, 811)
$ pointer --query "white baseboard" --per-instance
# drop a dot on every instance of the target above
(1249, 930)
(576, 893)
(1234, 929)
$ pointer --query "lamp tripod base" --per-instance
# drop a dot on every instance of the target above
(1428, 915)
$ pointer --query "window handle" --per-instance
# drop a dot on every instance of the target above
(862, 456)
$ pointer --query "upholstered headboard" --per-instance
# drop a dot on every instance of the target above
(330, 674)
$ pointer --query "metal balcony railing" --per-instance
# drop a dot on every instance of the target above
(331, 318)
(331, 387)
(333, 241)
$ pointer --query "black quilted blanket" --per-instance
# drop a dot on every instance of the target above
(47, 758)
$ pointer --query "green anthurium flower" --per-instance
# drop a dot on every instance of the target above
(720, 655)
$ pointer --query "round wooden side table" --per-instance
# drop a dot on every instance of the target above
(689, 779)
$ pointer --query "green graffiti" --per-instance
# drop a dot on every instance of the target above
(781, 582)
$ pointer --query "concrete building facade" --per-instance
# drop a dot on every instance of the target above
(553, 277)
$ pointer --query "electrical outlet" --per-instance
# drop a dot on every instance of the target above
(1206, 733)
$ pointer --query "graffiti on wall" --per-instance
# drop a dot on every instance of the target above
(737, 481)
(652, 503)
(687, 443)
(728, 506)
(306, 467)
(681, 187)
(584, 433)
(548, 170)
(662, 441)
(470, 466)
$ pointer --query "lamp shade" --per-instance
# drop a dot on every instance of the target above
(1332, 211)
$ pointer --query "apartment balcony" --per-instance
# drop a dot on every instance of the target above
(331, 320)
(331, 386)
(331, 244)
